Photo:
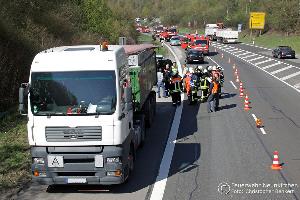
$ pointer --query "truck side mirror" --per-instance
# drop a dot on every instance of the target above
(23, 94)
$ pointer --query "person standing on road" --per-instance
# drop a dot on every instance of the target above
(176, 88)
(160, 83)
(214, 95)
(167, 76)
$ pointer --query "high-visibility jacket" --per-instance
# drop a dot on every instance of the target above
(204, 84)
(215, 87)
(187, 81)
(176, 84)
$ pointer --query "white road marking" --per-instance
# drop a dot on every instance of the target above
(261, 129)
(260, 57)
(264, 61)
(257, 46)
(243, 54)
(240, 51)
(233, 50)
(290, 76)
(282, 69)
(248, 56)
(297, 85)
(233, 85)
(269, 66)
(162, 177)
(213, 60)
(274, 75)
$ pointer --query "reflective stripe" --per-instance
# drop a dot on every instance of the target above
(177, 87)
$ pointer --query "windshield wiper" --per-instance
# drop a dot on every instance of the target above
(49, 114)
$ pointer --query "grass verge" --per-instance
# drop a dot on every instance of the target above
(273, 40)
(14, 152)
(144, 38)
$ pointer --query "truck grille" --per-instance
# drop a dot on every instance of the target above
(68, 134)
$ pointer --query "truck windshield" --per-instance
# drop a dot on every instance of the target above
(73, 93)
(201, 42)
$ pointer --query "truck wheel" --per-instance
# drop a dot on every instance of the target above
(131, 158)
(143, 130)
(148, 113)
(154, 103)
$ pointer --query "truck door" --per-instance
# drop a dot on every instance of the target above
(127, 113)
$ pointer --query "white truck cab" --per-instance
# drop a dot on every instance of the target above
(80, 116)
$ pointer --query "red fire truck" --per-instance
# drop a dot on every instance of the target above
(200, 43)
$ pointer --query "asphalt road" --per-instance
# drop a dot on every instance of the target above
(214, 149)
(226, 148)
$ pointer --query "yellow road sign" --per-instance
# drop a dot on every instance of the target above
(257, 20)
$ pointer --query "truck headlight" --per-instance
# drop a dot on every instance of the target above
(38, 161)
(113, 160)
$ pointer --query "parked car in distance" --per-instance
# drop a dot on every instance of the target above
(283, 52)
(175, 41)
(193, 55)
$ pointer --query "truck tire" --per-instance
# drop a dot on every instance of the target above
(154, 103)
(150, 109)
(131, 158)
(143, 130)
(148, 113)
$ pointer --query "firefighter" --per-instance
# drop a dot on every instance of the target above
(191, 86)
(167, 76)
(176, 87)
(213, 95)
(218, 74)
(184, 72)
(204, 85)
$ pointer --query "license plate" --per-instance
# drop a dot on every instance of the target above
(55, 161)
(76, 180)
(289, 55)
(195, 60)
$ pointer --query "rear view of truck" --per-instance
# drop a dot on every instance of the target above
(87, 109)
(227, 36)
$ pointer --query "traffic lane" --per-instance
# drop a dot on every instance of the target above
(212, 148)
(282, 70)
(139, 185)
(181, 53)
(278, 106)
(185, 180)
(265, 52)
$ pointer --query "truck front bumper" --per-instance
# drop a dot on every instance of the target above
(79, 165)
(97, 180)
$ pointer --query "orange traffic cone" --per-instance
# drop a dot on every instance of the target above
(229, 60)
(247, 102)
(241, 85)
(258, 123)
(237, 79)
(241, 93)
(236, 72)
(233, 66)
(276, 165)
